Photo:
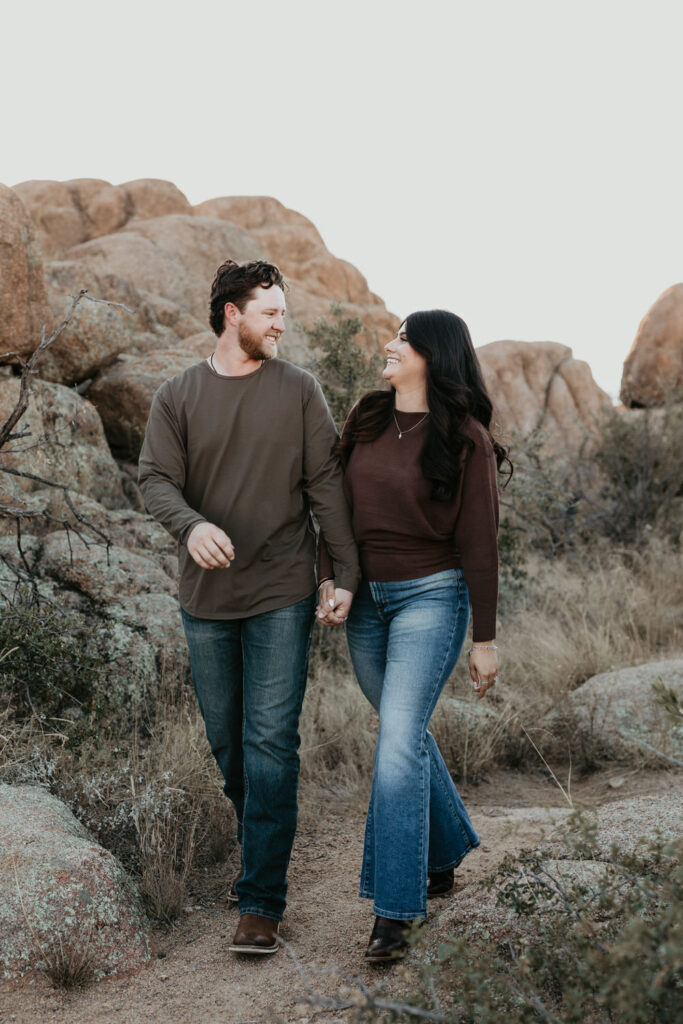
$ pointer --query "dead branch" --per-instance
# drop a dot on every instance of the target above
(28, 366)
(64, 488)
(7, 434)
(365, 1000)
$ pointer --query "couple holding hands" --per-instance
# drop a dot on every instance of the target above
(239, 450)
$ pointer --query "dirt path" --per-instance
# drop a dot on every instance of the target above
(193, 977)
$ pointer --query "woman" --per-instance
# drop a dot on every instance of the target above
(420, 476)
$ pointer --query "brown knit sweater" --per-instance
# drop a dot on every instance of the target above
(403, 534)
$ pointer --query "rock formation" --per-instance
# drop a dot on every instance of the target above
(23, 309)
(64, 442)
(63, 898)
(617, 711)
(123, 393)
(654, 367)
(144, 245)
(539, 385)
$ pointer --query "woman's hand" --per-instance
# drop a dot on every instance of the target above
(333, 604)
(484, 668)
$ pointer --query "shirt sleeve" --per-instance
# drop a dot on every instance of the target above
(162, 469)
(324, 486)
(476, 537)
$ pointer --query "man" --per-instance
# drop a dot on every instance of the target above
(237, 454)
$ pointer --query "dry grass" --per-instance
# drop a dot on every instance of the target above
(599, 610)
(155, 797)
(156, 802)
(338, 726)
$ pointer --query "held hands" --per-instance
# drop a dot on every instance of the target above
(333, 604)
(484, 667)
(210, 546)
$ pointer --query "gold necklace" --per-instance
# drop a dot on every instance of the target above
(414, 426)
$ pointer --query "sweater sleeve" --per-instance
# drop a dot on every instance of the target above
(475, 537)
(324, 487)
(162, 469)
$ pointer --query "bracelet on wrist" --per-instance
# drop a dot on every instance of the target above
(329, 579)
(482, 647)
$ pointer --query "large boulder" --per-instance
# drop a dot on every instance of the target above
(174, 256)
(625, 822)
(540, 386)
(98, 332)
(123, 393)
(616, 712)
(67, 213)
(24, 309)
(91, 340)
(57, 218)
(106, 576)
(64, 443)
(65, 901)
(654, 367)
(126, 591)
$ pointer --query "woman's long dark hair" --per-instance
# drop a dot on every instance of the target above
(455, 390)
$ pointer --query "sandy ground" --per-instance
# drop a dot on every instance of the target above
(194, 978)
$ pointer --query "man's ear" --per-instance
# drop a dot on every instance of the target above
(232, 314)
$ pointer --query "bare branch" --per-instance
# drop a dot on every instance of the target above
(28, 367)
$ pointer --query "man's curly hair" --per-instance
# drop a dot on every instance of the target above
(235, 282)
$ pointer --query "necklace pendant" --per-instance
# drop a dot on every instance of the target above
(400, 436)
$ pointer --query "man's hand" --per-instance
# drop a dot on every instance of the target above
(334, 604)
(210, 546)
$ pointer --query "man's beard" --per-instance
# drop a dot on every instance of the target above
(253, 345)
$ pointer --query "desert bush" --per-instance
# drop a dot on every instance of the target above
(590, 936)
(625, 483)
(54, 663)
(344, 367)
(640, 474)
(602, 944)
(598, 608)
(153, 796)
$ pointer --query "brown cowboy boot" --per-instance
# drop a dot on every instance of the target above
(256, 934)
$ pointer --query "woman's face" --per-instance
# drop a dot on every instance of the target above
(405, 368)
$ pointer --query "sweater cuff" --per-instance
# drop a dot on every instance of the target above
(348, 581)
(187, 530)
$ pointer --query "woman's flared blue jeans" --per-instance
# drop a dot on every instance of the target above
(405, 638)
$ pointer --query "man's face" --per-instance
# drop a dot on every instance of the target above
(262, 323)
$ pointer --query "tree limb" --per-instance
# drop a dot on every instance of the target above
(28, 367)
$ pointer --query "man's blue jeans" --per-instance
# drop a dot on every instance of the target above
(405, 638)
(250, 676)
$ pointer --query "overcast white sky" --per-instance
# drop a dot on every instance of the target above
(518, 162)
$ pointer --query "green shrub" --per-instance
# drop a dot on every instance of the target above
(343, 366)
(594, 936)
(54, 663)
(624, 485)
(640, 475)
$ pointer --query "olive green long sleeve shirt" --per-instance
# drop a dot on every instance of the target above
(251, 454)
